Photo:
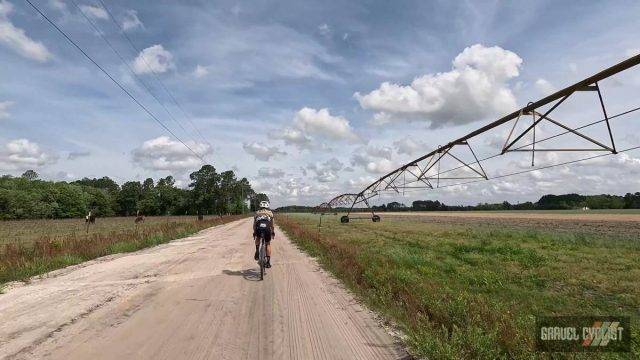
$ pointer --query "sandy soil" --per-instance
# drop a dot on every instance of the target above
(193, 298)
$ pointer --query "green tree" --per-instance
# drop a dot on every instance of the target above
(104, 183)
(69, 201)
(209, 193)
(99, 201)
(632, 201)
(227, 193)
(108, 187)
(168, 197)
(148, 203)
(205, 189)
(30, 175)
(243, 193)
(128, 197)
(394, 205)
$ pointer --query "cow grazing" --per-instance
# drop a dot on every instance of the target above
(90, 218)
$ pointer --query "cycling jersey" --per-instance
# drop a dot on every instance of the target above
(263, 224)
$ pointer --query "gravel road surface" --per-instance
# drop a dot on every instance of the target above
(194, 298)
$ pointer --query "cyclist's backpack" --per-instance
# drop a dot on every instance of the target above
(263, 222)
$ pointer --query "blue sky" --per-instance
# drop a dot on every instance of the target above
(292, 94)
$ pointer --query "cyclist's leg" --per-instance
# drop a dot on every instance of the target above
(267, 241)
(257, 242)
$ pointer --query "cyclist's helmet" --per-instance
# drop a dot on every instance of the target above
(264, 204)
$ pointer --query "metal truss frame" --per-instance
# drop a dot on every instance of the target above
(425, 173)
(348, 200)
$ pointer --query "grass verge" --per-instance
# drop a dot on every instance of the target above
(466, 293)
(20, 262)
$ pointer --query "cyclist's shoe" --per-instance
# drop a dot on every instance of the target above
(255, 256)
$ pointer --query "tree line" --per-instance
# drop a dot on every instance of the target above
(546, 202)
(209, 192)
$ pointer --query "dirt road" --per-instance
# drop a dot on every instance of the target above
(193, 298)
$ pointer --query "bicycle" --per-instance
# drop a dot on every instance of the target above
(262, 257)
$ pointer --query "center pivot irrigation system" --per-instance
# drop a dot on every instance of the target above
(425, 172)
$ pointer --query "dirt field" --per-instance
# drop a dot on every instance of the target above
(619, 225)
(193, 298)
(537, 215)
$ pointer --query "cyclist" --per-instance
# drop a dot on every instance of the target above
(263, 226)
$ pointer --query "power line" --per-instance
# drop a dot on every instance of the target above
(114, 80)
(155, 74)
(158, 79)
(144, 85)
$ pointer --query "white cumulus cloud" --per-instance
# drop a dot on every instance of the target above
(381, 166)
(309, 124)
(16, 38)
(326, 171)
(357, 184)
(295, 137)
(261, 151)
(408, 146)
(94, 11)
(293, 190)
(131, 21)
(21, 154)
(163, 153)
(375, 160)
(153, 59)
(321, 122)
(476, 87)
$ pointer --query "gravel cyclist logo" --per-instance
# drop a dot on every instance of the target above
(583, 333)
(601, 333)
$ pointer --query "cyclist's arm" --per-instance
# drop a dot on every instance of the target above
(273, 226)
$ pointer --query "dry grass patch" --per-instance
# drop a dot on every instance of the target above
(19, 260)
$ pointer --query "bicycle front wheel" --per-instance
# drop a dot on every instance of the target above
(261, 271)
(263, 259)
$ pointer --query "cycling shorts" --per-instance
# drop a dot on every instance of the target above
(266, 232)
